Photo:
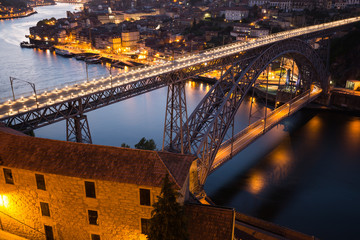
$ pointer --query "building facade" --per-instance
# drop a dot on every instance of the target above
(236, 13)
(64, 190)
(130, 38)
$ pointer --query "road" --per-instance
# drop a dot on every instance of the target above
(253, 131)
(66, 93)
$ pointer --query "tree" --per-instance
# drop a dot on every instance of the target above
(168, 219)
(146, 144)
(125, 145)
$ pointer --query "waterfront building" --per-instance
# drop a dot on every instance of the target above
(66, 190)
(353, 85)
(130, 39)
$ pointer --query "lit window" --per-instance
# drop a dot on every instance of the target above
(40, 181)
(95, 237)
(90, 189)
(145, 197)
(145, 226)
(93, 217)
(8, 176)
(45, 211)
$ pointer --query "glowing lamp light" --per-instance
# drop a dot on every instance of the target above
(4, 201)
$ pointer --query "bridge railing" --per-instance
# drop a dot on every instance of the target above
(48, 89)
(260, 121)
(237, 46)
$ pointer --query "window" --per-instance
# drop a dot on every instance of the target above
(8, 176)
(40, 181)
(93, 217)
(145, 197)
(95, 237)
(49, 233)
(45, 211)
(145, 226)
(90, 189)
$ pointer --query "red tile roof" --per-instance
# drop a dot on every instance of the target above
(5, 129)
(207, 222)
(90, 161)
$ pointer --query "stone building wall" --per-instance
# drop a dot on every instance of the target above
(117, 204)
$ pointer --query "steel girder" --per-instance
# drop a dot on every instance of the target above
(77, 129)
(35, 118)
(211, 119)
(39, 117)
(175, 116)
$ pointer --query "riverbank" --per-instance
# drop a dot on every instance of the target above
(20, 15)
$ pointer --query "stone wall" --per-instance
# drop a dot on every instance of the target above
(117, 204)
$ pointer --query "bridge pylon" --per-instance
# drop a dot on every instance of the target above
(77, 129)
(175, 117)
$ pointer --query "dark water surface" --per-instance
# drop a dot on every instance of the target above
(308, 179)
(303, 174)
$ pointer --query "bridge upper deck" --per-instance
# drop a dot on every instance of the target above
(45, 99)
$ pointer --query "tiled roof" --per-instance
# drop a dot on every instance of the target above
(207, 222)
(5, 129)
(90, 161)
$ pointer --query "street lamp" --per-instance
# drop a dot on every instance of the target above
(12, 79)
(87, 72)
(109, 69)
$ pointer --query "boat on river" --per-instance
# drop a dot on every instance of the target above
(25, 44)
(93, 60)
(80, 57)
(63, 52)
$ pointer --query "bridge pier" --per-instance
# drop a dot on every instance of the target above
(77, 129)
(175, 117)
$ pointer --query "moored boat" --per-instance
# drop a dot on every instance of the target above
(25, 44)
(92, 60)
(80, 57)
(63, 52)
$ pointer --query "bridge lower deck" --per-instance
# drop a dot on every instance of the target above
(233, 146)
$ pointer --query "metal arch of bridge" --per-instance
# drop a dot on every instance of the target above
(212, 118)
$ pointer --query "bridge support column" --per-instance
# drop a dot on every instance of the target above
(175, 117)
(77, 129)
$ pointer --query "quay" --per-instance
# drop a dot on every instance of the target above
(18, 15)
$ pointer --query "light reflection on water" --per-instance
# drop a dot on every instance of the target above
(309, 175)
(352, 133)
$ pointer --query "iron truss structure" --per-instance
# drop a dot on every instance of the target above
(39, 117)
(204, 131)
(180, 70)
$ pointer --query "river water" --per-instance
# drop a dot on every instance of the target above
(303, 174)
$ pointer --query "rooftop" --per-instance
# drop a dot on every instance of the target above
(210, 222)
(91, 161)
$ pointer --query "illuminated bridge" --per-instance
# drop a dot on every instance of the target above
(202, 134)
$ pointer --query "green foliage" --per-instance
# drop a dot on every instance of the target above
(168, 220)
(125, 145)
(344, 57)
(45, 22)
(146, 144)
(31, 133)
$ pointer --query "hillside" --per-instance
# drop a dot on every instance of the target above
(345, 57)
